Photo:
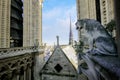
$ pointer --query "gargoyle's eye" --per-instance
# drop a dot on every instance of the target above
(81, 27)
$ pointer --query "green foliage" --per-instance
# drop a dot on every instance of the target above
(111, 26)
(79, 46)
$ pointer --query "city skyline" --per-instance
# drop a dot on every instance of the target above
(56, 20)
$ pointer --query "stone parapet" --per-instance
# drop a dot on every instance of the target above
(18, 67)
(10, 52)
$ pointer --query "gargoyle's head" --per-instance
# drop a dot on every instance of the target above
(80, 24)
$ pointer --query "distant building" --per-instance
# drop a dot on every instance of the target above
(20, 23)
(58, 66)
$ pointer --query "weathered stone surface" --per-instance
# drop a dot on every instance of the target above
(10, 52)
(58, 67)
(110, 63)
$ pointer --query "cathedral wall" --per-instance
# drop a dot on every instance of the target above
(107, 11)
(32, 34)
(86, 9)
(5, 6)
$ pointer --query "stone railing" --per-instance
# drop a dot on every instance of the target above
(17, 67)
(9, 52)
(18, 63)
(100, 67)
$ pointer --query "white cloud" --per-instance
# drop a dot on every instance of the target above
(51, 13)
(57, 22)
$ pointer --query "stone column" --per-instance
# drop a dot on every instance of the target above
(5, 9)
(29, 73)
(32, 23)
(21, 77)
(15, 75)
(40, 22)
(18, 74)
(117, 19)
(25, 74)
(26, 23)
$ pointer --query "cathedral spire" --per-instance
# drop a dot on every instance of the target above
(70, 34)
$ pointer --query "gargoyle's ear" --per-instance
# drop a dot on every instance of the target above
(77, 27)
(76, 23)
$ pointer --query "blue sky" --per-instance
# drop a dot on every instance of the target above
(56, 20)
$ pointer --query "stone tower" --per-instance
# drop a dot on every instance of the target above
(100, 10)
(20, 23)
(33, 23)
(70, 34)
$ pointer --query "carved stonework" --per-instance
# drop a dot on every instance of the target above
(16, 66)
(10, 52)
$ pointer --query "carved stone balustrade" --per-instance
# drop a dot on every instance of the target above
(18, 63)
(9, 52)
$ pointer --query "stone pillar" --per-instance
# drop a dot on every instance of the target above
(86, 9)
(5, 7)
(21, 75)
(25, 75)
(27, 23)
(29, 73)
(18, 77)
(32, 23)
(40, 22)
(117, 19)
(15, 75)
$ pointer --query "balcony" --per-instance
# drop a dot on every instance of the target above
(17, 63)
(11, 52)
